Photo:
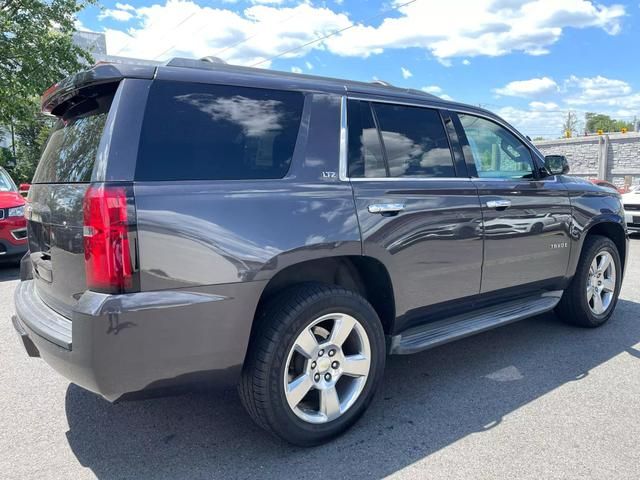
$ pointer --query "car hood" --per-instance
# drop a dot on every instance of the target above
(632, 198)
(10, 199)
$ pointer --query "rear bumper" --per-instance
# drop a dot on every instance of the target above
(116, 345)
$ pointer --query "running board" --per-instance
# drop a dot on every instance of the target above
(453, 328)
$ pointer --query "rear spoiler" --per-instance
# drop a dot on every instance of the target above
(57, 96)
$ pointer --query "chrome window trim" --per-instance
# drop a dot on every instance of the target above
(342, 166)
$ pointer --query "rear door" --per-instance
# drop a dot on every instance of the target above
(526, 215)
(417, 215)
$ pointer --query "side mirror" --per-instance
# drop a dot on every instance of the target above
(24, 189)
(556, 164)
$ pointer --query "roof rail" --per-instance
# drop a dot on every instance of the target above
(212, 59)
(382, 82)
(207, 63)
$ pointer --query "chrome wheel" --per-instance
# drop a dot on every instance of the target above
(601, 282)
(327, 368)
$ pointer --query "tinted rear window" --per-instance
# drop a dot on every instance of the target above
(415, 141)
(70, 152)
(217, 132)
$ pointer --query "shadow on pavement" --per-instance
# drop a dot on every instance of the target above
(9, 271)
(427, 402)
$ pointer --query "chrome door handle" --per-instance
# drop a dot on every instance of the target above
(499, 204)
(386, 208)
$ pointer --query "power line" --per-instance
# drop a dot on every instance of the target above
(149, 28)
(172, 46)
(257, 34)
(324, 37)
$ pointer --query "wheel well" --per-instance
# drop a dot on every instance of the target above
(364, 275)
(615, 233)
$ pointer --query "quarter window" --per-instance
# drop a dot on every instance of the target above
(497, 153)
(217, 132)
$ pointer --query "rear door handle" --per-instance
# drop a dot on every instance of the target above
(499, 204)
(386, 208)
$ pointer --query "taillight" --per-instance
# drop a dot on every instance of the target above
(106, 232)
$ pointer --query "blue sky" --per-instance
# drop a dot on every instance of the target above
(531, 61)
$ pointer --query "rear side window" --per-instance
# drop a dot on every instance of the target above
(415, 141)
(71, 150)
(217, 132)
(365, 152)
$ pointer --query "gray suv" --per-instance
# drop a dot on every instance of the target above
(198, 222)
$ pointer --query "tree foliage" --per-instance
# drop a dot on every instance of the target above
(570, 126)
(599, 121)
(36, 51)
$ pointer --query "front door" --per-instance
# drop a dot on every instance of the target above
(526, 216)
(417, 217)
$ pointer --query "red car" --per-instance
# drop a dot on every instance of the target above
(13, 226)
(605, 184)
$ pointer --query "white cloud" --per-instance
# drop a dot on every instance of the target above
(309, 65)
(528, 88)
(598, 89)
(534, 123)
(542, 106)
(122, 13)
(437, 91)
(487, 27)
(296, 69)
(466, 62)
(184, 28)
(432, 89)
(125, 6)
(406, 73)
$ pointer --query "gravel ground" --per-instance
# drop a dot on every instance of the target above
(536, 399)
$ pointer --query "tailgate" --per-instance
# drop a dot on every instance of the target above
(55, 203)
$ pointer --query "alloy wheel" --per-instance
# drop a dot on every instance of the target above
(327, 368)
(601, 282)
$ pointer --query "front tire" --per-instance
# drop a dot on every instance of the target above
(316, 357)
(592, 296)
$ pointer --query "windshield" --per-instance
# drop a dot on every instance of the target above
(6, 183)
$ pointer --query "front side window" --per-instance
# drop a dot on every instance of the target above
(497, 153)
(217, 132)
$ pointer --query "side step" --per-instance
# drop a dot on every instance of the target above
(436, 333)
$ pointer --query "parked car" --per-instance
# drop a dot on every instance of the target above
(284, 233)
(631, 202)
(13, 226)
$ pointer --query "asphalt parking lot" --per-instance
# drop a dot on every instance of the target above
(536, 399)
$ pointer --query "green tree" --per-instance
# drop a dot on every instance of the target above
(570, 125)
(31, 132)
(600, 121)
(36, 50)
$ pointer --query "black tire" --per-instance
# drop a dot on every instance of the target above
(573, 307)
(279, 323)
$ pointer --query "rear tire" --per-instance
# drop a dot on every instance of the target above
(339, 378)
(593, 293)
